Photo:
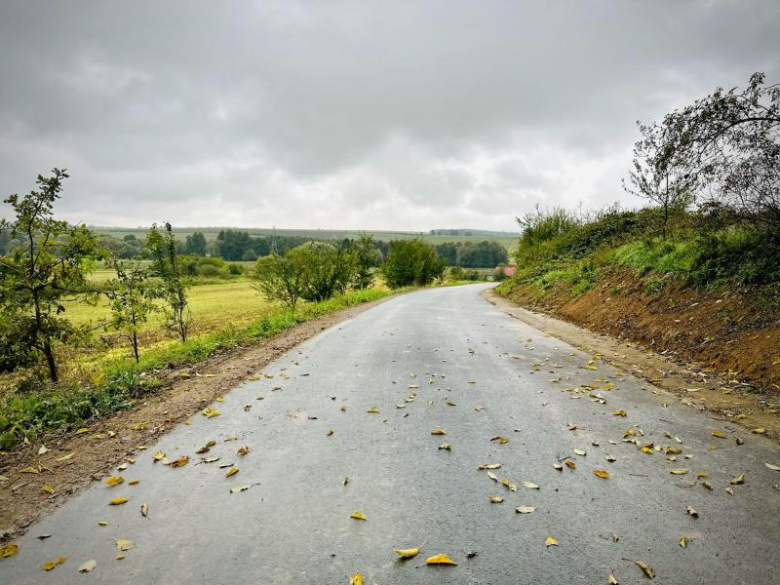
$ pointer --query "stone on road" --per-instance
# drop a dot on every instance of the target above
(436, 359)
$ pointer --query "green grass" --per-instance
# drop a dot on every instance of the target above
(119, 382)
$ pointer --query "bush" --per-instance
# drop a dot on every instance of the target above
(411, 262)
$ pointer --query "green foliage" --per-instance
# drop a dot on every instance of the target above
(166, 264)
(483, 254)
(49, 263)
(279, 279)
(196, 244)
(131, 298)
(411, 262)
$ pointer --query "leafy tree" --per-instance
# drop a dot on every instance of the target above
(279, 279)
(167, 266)
(411, 262)
(131, 298)
(366, 257)
(49, 263)
(196, 244)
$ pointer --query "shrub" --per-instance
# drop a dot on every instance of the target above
(411, 262)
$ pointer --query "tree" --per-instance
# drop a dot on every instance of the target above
(411, 262)
(279, 280)
(367, 257)
(166, 266)
(131, 298)
(49, 263)
(196, 244)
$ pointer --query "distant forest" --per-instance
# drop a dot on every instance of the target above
(240, 246)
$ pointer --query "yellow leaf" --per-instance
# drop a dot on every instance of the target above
(114, 480)
(611, 580)
(646, 569)
(65, 457)
(691, 512)
(181, 461)
(157, 456)
(740, 479)
(406, 553)
(231, 472)
(220, 399)
(48, 566)
(243, 450)
(530, 486)
(358, 516)
(330, 432)
(679, 471)
(374, 410)
(48, 489)
(206, 448)
(102, 523)
(438, 431)
(719, 434)
(620, 412)
(683, 542)
(356, 579)
(525, 509)
(117, 501)
(133, 482)
(759, 431)
(602, 473)
(492, 476)
(501, 440)
(489, 466)
(440, 559)
(8, 550)
(345, 481)
(551, 541)
(123, 544)
(210, 412)
(81, 431)
(120, 557)
(647, 450)
(496, 499)
(570, 464)
(29, 470)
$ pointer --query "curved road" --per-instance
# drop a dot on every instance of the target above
(481, 374)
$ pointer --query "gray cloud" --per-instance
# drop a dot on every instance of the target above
(353, 114)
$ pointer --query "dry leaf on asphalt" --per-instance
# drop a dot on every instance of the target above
(117, 501)
(50, 565)
(406, 553)
(181, 461)
(243, 450)
(373, 410)
(489, 466)
(358, 516)
(620, 412)
(691, 512)
(356, 579)
(603, 474)
(496, 499)
(719, 434)
(772, 466)
(611, 580)
(530, 486)
(145, 510)
(438, 432)
(683, 542)
(440, 559)
(231, 472)
(739, 480)
(8, 550)
(124, 544)
(239, 488)
(525, 509)
(445, 447)
(646, 569)
(87, 566)
(680, 471)
(551, 541)
(114, 480)
(210, 412)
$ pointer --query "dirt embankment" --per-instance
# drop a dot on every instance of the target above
(35, 478)
(735, 333)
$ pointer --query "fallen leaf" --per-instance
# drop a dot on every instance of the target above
(759, 431)
(102, 523)
(240, 488)
(489, 466)
(145, 510)
(243, 450)
(158, 456)
(87, 566)
(570, 464)
(557, 466)
(501, 440)
(406, 553)
(43, 450)
(611, 580)
(133, 482)
(358, 516)
(496, 499)
(373, 410)
(181, 461)
(117, 501)
(691, 512)
(43, 536)
(440, 559)
(123, 544)
(602, 473)
(646, 569)
(772, 466)
(492, 476)
(120, 557)
(8, 550)
(739, 480)
(210, 412)
(438, 431)
(525, 509)
(329, 432)
(231, 472)
(683, 542)
(114, 480)
(719, 434)
(530, 486)
(580, 452)
(51, 565)
(356, 579)
(679, 471)
(206, 448)
(445, 447)
(47, 488)
(620, 412)
(29, 470)
(345, 481)
(551, 541)
(65, 457)
(729, 491)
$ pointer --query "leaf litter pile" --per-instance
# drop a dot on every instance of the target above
(523, 496)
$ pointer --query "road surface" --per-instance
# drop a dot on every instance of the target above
(471, 370)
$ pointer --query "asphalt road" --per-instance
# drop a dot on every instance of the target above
(501, 378)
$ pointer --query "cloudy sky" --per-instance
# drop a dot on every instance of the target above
(359, 115)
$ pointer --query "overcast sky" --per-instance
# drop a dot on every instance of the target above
(358, 115)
